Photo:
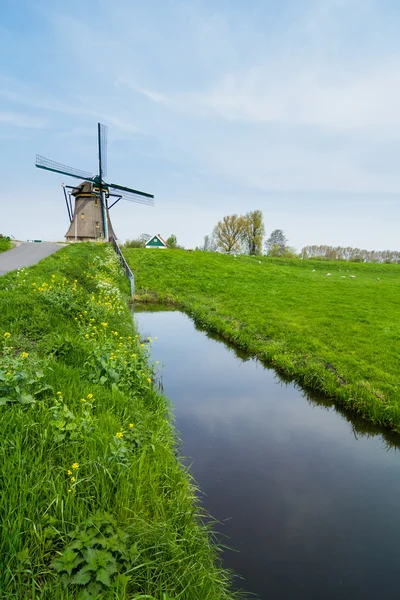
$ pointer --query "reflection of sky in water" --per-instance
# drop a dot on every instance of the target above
(313, 510)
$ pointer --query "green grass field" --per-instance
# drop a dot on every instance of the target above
(334, 334)
(94, 502)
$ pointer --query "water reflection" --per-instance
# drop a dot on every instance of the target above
(307, 495)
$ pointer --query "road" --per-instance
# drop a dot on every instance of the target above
(26, 255)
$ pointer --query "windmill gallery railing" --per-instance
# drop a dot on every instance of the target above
(124, 264)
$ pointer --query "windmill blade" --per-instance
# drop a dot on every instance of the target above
(51, 165)
(132, 196)
(102, 132)
(130, 190)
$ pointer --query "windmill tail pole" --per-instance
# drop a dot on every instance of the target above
(124, 264)
(104, 211)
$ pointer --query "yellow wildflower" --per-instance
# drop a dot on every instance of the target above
(90, 396)
(104, 324)
(133, 355)
(7, 335)
(69, 490)
(59, 394)
(86, 335)
(83, 399)
(141, 345)
(69, 472)
(73, 479)
(149, 380)
(75, 466)
(119, 435)
(24, 354)
(130, 425)
(149, 339)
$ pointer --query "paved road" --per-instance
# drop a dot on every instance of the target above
(25, 255)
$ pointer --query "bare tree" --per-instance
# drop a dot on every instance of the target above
(253, 232)
(229, 233)
(276, 243)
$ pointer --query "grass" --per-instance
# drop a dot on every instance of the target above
(5, 244)
(94, 502)
(336, 335)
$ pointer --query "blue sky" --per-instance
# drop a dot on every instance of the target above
(291, 107)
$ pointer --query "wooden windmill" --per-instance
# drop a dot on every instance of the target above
(89, 217)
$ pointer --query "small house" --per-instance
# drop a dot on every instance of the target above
(156, 242)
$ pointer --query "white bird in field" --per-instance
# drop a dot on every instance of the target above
(352, 276)
(328, 274)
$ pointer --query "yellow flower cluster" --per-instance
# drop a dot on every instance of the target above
(7, 334)
(72, 478)
(24, 354)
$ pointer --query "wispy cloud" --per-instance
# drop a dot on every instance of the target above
(21, 120)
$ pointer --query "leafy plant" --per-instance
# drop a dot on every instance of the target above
(99, 550)
(68, 426)
(20, 380)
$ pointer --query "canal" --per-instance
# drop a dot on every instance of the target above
(307, 498)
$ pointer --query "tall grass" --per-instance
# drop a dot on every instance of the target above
(94, 502)
(5, 244)
(336, 335)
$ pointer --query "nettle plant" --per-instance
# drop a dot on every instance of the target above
(21, 376)
(98, 556)
(67, 425)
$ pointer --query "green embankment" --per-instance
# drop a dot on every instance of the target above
(335, 334)
(5, 244)
(94, 502)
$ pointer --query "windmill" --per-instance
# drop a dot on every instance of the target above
(89, 217)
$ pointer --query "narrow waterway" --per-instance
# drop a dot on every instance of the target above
(308, 499)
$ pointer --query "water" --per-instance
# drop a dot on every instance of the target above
(309, 498)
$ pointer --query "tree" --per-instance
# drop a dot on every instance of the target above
(139, 242)
(276, 243)
(210, 243)
(229, 233)
(253, 232)
(172, 241)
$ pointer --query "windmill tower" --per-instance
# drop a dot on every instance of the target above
(89, 214)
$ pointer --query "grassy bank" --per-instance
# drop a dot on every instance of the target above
(5, 244)
(93, 503)
(334, 334)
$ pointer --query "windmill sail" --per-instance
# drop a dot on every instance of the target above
(51, 165)
(103, 136)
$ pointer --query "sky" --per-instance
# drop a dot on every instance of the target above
(216, 107)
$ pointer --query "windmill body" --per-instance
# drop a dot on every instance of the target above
(89, 216)
(87, 221)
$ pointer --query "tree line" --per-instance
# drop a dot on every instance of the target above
(352, 254)
(244, 234)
